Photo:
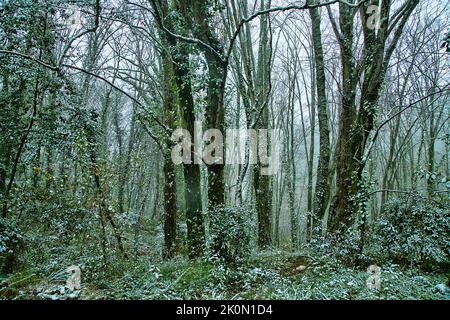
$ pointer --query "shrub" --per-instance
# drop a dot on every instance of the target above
(412, 230)
(230, 235)
(11, 242)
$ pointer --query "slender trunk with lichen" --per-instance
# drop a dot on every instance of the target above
(322, 189)
(262, 183)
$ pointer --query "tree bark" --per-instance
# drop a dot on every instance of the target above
(322, 189)
(182, 75)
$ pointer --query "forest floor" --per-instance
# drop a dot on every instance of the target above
(269, 275)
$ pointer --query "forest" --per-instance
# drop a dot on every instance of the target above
(224, 150)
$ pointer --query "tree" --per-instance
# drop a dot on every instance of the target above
(182, 77)
(357, 116)
(322, 189)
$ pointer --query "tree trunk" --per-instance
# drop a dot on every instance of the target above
(322, 188)
(170, 189)
(180, 63)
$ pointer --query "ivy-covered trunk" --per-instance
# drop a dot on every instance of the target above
(215, 115)
(170, 189)
(179, 56)
(357, 119)
(198, 15)
(194, 215)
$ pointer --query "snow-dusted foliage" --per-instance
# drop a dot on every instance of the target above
(230, 233)
(412, 231)
(11, 243)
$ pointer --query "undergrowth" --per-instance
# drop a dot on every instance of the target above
(267, 275)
